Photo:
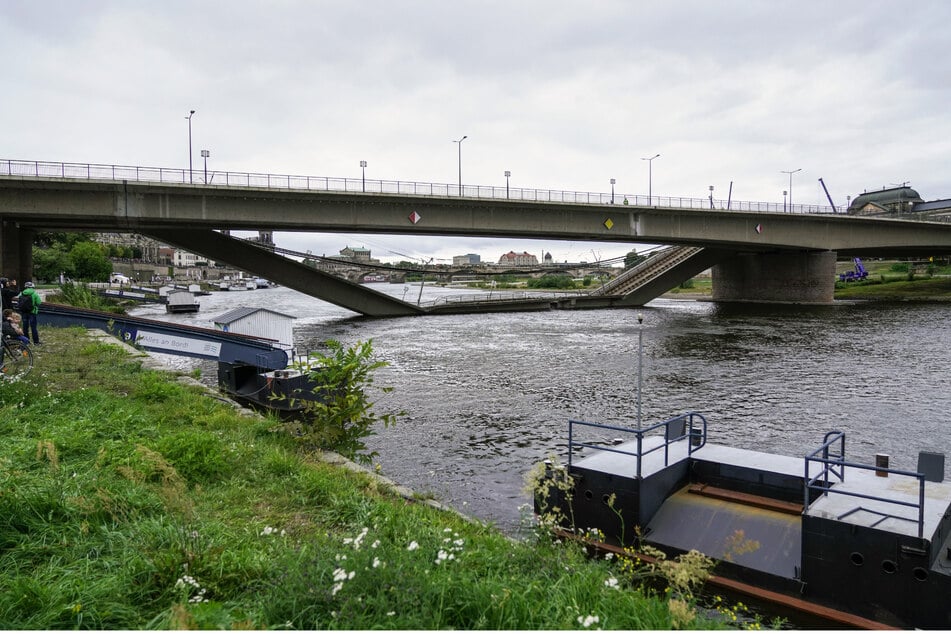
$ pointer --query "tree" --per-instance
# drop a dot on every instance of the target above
(632, 259)
(50, 262)
(89, 262)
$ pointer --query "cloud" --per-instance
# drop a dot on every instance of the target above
(564, 95)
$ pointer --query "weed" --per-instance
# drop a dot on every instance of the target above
(342, 415)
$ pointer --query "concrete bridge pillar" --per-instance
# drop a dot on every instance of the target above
(777, 278)
(16, 252)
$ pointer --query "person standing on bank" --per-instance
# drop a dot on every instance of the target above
(29, 308)
(9, 291)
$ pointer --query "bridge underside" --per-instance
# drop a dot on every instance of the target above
(287, 272)
(777, 277)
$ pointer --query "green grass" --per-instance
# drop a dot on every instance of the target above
(131, 501)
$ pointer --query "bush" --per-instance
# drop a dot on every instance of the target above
(342, 414)
(550, 280)
(81, 296)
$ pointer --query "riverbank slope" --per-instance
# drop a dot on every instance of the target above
(132, 499)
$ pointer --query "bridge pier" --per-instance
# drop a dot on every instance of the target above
(16, 252)
(776, 278)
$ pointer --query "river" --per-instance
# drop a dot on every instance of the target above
(486, 396)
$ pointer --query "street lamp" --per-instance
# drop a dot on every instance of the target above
(640, 354)
(784, 200)
(612, 191)
(363, 166)
(460, 161)
(711, 197)
(205, 154)
(507, 174)
(790, 172)
(189, 117)
(650, 177)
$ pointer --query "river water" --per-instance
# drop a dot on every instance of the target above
(487, 396)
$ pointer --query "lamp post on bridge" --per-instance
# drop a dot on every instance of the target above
(189, 117)
(205, 154)
(650, 177)
(711, 197)
(784, 200)
(363, 166)
(507, 174)
(640, 356)
(790, 172)
(464, 137)
(612, 191)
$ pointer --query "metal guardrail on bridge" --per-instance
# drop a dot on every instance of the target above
(216, 178)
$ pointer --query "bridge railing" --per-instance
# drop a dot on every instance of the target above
(217, 178)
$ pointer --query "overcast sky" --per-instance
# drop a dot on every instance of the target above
(565, 95)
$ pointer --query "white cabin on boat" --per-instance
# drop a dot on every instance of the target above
(179, 301)
(259, 322)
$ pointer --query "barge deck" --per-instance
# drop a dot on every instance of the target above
(865, 539)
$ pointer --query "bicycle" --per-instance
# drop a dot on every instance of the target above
(17, 359)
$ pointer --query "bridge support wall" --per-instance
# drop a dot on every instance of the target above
(777, 278)
(16, 252)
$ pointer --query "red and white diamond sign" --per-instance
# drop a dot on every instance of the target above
(415, 217)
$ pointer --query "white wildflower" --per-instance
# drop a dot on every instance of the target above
(611, 582)
(412, 545)
(588, 621)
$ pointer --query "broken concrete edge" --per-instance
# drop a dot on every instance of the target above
(150, 362)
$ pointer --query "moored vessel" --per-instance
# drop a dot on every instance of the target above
(867, 540)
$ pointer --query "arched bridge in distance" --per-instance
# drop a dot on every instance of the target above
(758, 251)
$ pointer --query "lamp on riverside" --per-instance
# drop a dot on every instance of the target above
(189, 117)
(640, 354)
(460, 160)
(650, 177)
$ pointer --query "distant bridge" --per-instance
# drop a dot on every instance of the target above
(757, 252)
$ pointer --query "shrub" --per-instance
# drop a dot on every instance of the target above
(342, 414)
(81, 296)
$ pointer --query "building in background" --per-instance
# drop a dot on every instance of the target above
(518, 259)
(466, 260)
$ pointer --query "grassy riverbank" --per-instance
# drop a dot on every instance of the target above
(130, 500)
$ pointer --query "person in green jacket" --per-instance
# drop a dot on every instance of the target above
(29, 307)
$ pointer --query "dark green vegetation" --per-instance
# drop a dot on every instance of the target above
(344, 415)
(129, 500)
(82, 296)
(74, 255)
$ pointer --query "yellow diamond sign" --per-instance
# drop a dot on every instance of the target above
(608, 223)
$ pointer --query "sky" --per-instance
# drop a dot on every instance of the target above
(563, 94)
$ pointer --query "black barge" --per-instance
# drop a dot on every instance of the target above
(285, 392)
(867, 540)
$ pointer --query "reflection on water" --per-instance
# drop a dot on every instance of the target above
(486, 396)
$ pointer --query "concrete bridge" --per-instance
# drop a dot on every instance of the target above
(758, 252)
